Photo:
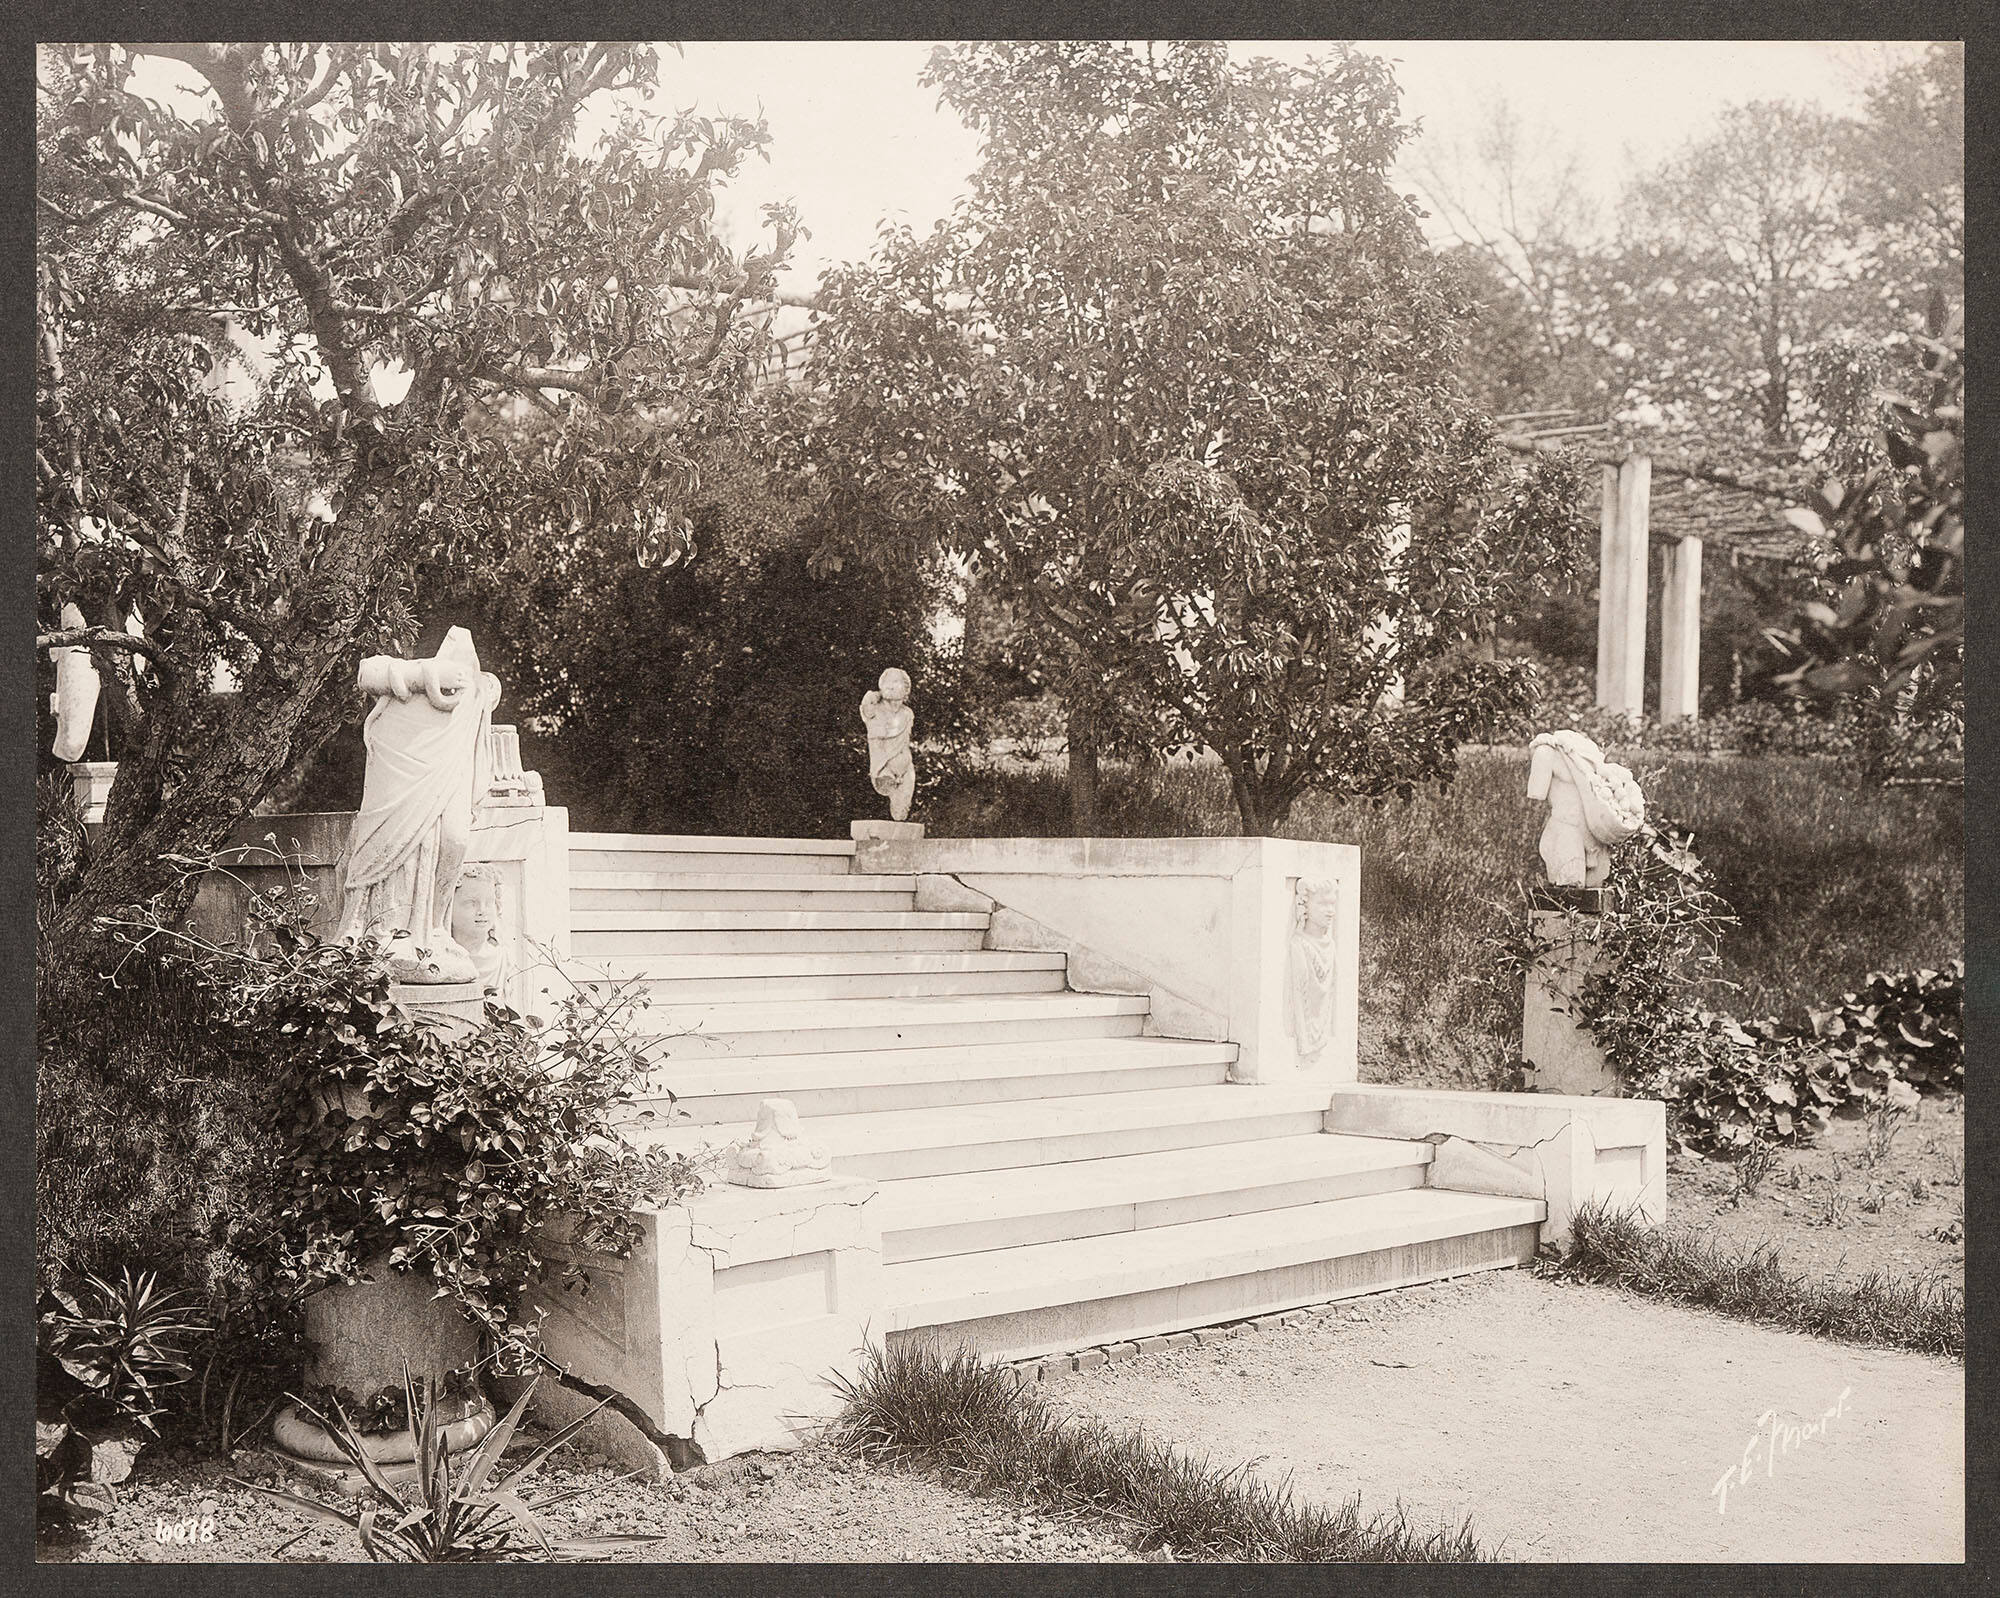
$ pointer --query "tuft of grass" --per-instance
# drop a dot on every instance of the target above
(1754, 1166)
(919, 1404)
(1927, 1314)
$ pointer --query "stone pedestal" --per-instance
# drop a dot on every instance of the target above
(1552, 1040)
(92, 781)
(907, 831)
(457, 1006)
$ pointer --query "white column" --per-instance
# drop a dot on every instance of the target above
(1610, 584)
(1628, 604)
(1680, 632)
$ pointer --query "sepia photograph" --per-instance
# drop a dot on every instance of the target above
(1045, 801)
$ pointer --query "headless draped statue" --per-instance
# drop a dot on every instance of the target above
(1593, 804)
(427, 760)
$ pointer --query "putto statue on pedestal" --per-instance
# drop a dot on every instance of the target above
(885, 710)
(427, 772)
(1593, 804)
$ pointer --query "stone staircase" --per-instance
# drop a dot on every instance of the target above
(1053, 1175)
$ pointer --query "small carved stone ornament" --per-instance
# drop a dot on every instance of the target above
(886, 712)
(777, 1153)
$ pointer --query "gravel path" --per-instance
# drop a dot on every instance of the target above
(1572, 1422)
(1569, 1422)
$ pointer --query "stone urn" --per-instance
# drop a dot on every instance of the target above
(360, 1338)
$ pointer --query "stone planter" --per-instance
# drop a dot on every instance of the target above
(362, 1336)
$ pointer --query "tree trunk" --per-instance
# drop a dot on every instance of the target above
(1082, 770)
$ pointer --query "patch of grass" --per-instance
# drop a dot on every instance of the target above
(919, 1405)
(1926, 1314)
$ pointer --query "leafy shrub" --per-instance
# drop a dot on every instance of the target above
(446, 1516)
(423, 1148)
(1908, 1024)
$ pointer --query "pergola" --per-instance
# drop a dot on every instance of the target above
(1698, 503)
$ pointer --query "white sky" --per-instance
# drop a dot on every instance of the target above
(856, 140)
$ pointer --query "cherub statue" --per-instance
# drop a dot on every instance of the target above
(886, 711)
(1593, 804)
(475, 924)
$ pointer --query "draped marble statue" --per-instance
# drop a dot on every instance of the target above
(886, 712)
(1309, 968)
(74, 703)
(427, 760)
(1593, 804)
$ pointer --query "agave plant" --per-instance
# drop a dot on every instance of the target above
(450, 1512)
(103, 1353)
(122, 1343)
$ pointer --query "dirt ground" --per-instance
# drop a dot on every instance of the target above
(1830, 1209)
(804, 1507)
(1573, 1422)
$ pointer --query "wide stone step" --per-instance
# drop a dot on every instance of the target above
(903, 1079)
(745, 1031)
(698, 890)
(1050, 1297)
(835, 919)
(928, 1217)
(704, 940)
(852, 974)
(661, 852)
(892, 1144)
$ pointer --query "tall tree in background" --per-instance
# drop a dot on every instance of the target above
(1175, 374)
(1906, 160)
(374, 218)
(1739, 256)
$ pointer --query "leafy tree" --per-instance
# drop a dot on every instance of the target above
(1906, 159)
(717, 694)
(1739, 255)
(415, 245)
(1896, 631)
(1174, 375)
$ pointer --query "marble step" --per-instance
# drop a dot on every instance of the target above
(904, 1079)
(696, 890)
(928, 1217)
(890, 1144)
(809, 1026)
(783, 939)
(1076, 1293)
(656, 852)
(737, 978)
(834, 919)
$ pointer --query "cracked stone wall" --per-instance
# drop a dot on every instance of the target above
(728, 1321)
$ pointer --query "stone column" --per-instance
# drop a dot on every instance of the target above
(1610, 585)
(1680, 632)
(1382, 632)
(1635, 495)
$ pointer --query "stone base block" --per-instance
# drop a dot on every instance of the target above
(1565, 1058)
(902, 831)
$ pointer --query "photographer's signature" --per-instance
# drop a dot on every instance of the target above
(1774, 1437)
